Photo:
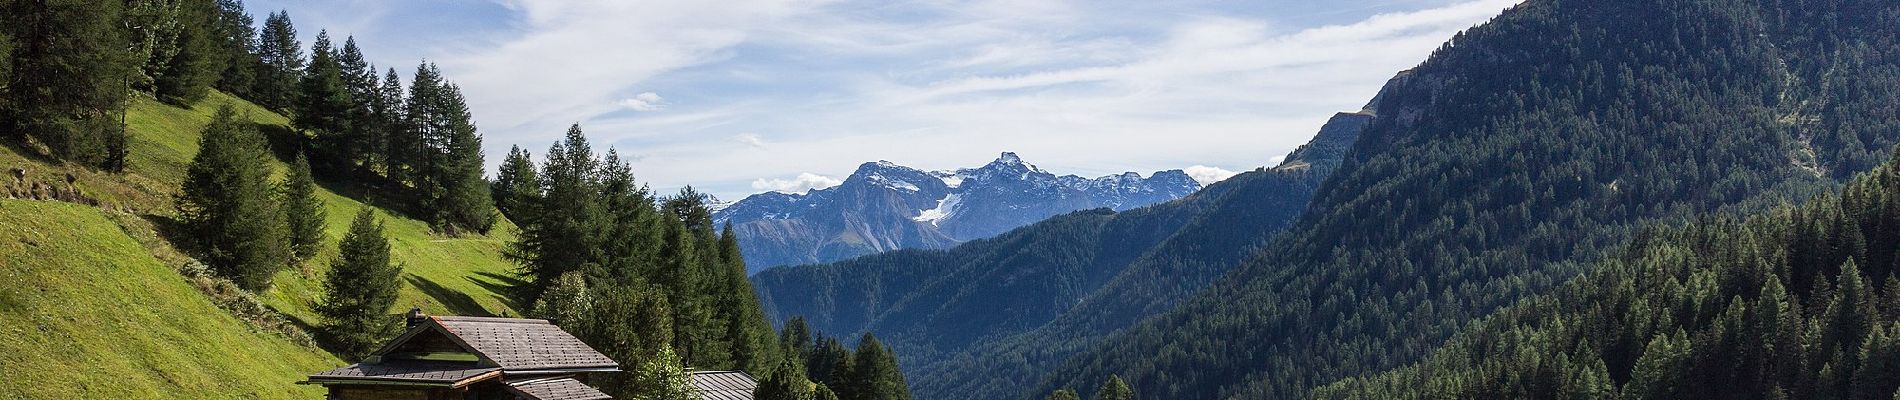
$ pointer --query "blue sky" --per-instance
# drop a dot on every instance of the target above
(741, 96)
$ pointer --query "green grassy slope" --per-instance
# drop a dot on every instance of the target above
(86, 312)
(138, 328)
(443, 275)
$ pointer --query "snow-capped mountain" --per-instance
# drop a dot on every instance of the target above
(884, 206)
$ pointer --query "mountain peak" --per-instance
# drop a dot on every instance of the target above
(1009, 157)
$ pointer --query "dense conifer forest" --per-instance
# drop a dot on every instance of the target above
(1506, 164)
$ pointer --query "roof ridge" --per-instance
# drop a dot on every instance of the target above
(501, 320)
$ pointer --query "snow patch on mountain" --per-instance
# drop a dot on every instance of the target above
(945, 208)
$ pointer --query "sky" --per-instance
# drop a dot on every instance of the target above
(735, 97)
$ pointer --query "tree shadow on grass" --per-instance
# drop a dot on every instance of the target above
(173, 231)
(507, 287)
(456, 302)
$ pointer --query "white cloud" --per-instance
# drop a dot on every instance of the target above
(1208, 175)
(805, 182)
(646, 101)
(750, 139)
(1091, 87)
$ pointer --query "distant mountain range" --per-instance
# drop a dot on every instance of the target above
(884, 206)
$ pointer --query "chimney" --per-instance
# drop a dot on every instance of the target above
(415, 318)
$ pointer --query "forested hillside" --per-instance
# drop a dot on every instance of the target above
(1036, 294)
(1512, 158)
(1798, 303)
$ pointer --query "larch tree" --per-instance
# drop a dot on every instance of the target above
(460, 201)
(231, 207)
(389, 110)
(361, 286)
(281, 63)
(197, 60)
(232, 28)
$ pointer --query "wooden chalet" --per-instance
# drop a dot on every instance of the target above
(724, 385)
(471, 358)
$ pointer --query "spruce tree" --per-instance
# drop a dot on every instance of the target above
(1115, 389)
(281, 63)
(230, 206)
(361, 81)
(303, 210)
(324, 105)
(830, 364)
(67, 79)
(795, 343)
(874, 373)
(237, 46)
(561, 233)
(1064, 394)
(753, 346)
(360, 288)
(516, 183)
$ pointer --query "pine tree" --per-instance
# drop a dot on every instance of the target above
(304, 210)
(324, 105)
(360, 288)
(874, 373)
(1115, 389)
(1064, 394)
(230, 206)
(237, 43)
(515, 182)
(68, 76)
(281, 63)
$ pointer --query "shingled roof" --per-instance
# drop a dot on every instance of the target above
(556, 389)
(445, 373)
(515, 345)
(724, 385)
